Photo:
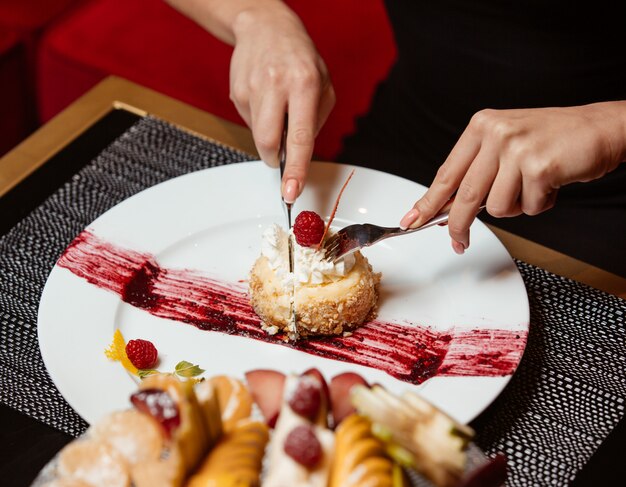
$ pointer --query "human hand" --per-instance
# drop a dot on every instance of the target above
(516, 161)
(275, 69)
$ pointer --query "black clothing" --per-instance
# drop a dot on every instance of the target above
(458, 57)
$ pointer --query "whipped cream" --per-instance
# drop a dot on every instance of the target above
(275, 248)
(310, 266)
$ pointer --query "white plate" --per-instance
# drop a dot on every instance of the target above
(211, 221)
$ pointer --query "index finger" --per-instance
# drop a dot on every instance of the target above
(448, 178)
(300, 142)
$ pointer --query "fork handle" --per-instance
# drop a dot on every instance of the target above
(441, 217)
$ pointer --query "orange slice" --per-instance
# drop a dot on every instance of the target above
(117, 352)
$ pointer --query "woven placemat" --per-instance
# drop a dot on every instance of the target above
(565, 398)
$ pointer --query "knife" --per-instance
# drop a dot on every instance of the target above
(282, 157)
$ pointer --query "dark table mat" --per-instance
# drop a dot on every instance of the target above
(565, 398)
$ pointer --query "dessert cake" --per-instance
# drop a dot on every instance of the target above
(360, 457)
(273, 430)
(330, 297)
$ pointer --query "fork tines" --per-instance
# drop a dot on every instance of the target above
(331, 247)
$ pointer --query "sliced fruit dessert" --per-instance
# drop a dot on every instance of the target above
(173, 403)
(331, 297)
(236, 461)
(300, 451)
(174, 436)
(416, 433)
(92, 462)
(360, 458)
(234, 398)
(158, 442)
(135, 435)
(266, 387)
(340, 387)
(322, 417)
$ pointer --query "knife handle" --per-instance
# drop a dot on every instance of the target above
(282, 159)
(282, 150)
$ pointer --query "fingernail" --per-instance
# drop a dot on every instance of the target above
(409, 218)
(290, 190)
(458, 247)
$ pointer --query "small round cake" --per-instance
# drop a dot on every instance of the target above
(330, 297)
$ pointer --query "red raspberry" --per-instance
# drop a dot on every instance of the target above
(307, 398)
(308, 228)
(142, 353)
(303, 446)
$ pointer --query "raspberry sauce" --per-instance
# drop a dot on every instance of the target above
(409, 352)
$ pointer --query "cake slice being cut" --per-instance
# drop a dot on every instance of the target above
(330, 297)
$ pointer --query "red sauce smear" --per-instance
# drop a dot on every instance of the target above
(409, 352)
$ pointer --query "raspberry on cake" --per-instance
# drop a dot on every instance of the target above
(308, 228)
(330, 297)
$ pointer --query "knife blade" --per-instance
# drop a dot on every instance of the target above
(282, 157)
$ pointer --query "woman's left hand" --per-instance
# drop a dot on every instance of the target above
(515, 161)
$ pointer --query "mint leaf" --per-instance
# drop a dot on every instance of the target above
(187, 369)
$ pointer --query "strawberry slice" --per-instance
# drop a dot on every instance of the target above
(340, 386)
(266, 387)
(322, 417)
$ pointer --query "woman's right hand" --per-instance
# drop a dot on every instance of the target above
(276, 70)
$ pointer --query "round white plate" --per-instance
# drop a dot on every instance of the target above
(211, 221)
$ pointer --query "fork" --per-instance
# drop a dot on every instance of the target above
(354, 237)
